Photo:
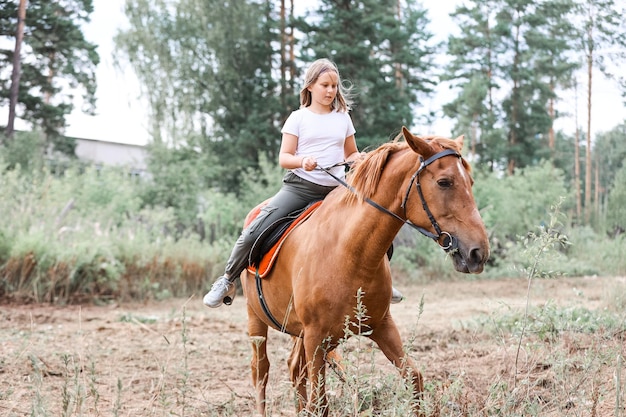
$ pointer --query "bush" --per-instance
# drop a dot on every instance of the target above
(616, 206)
(513, 205)
(88, 233)
(84, 235)
(24, 152)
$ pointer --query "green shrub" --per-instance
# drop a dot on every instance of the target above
(24, 152)
(549, 321)
(616, 210)
(513, 205)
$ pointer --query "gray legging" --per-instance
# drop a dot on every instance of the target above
(295, 193)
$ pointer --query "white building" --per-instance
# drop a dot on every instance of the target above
(112, 154)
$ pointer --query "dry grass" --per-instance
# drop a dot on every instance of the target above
(177, 358)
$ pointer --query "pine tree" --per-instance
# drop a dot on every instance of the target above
(55, 56)
(385, 51)
(473, 70)
(602, 31)
(507, 63)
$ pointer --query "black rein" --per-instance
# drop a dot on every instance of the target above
(449, 242)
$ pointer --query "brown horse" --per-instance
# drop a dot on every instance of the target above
(341, 250)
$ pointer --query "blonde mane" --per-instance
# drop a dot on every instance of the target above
(365, 175)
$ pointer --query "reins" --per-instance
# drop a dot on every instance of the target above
(449, 242)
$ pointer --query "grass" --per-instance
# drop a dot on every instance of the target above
(174, 361)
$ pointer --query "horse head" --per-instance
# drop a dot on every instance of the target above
(439, 200)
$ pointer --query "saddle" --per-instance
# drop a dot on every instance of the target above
(267, 244)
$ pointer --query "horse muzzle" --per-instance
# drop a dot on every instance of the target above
(469, 260)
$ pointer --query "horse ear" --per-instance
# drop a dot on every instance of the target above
(418, 144)
(459, 142)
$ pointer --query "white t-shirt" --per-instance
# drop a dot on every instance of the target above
(321, 136)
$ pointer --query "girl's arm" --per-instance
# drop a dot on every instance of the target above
(350, 151)
(287, 157)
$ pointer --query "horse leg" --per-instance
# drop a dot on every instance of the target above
(260, 364)
(297, 371)
(315, 354)
(387, 337)
(334, 360)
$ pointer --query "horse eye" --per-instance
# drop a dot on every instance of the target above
(444, 183)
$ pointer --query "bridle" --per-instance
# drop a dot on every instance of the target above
(444, 239)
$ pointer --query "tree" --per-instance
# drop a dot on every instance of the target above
(603, 32)
(385, 51)
(287, 54)
(609, 153)
(552, 36)
(473, 71)
(17, 61)
(507, 63)
(57, 61)
(207, 69)
(525, 107)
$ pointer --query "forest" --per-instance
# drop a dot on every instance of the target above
(220, 79)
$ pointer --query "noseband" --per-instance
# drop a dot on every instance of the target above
(449, 242)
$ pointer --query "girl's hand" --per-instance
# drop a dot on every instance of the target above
(309, 163)
(356, 157)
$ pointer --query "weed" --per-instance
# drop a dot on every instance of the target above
(93, 387)
(38, 405)
(184, 379)
(117, 405)
(538, 246)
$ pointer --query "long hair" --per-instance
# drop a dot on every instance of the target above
(342, 101)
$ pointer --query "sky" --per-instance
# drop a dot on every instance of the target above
(121, 115)
(120, 111)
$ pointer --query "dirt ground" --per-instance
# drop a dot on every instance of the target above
(177, 357)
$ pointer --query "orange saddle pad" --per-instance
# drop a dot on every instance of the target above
(270, 257)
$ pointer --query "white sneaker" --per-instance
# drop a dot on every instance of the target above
(222, 291)
(396, 296)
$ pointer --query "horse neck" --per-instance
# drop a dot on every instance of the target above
(372, 226)
(377, 229)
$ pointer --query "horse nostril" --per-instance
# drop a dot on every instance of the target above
(477, 256)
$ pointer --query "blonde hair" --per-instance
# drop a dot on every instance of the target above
(342, 101)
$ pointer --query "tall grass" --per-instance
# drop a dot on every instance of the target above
(85, 235)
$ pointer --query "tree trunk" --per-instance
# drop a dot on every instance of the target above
(597, 188)
(17, 68)
(577, 160)
(588, 150)
(473, 135)
(283, 53)
(292, 48)
(551, 140)
(397, 65)
(514, 103)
